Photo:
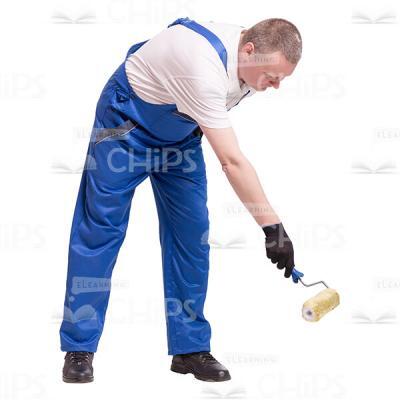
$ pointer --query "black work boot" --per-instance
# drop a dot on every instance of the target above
(78, 367)
(202, 365)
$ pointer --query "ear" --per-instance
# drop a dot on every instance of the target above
(248, 48)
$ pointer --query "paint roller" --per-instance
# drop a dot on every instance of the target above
(319, 305)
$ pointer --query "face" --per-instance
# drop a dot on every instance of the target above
(261, 71)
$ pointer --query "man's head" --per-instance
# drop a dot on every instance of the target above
(268, 52)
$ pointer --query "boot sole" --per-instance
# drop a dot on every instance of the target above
(77, 380)
(180, 369)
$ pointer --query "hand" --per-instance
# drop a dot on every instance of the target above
(279, 247)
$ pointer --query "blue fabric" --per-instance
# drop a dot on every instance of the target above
(133, 140)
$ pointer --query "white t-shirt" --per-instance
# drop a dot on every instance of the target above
(180, 66)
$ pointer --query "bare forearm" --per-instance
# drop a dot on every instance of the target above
(244, 180)
(241, 174)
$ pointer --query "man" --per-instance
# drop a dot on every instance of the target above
(149, 122)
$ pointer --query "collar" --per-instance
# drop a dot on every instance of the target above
(232, 64)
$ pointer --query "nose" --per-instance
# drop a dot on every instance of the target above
(276, 84)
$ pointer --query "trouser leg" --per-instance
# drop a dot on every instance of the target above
(98, 229)
(180, 191)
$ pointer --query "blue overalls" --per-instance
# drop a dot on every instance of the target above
(130, 141)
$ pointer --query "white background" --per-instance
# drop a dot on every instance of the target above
(326, 149)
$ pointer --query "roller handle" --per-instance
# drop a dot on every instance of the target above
(296, 275)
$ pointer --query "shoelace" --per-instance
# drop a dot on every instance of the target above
(207, 357)
(78, 356)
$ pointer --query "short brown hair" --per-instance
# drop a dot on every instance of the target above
(275, 34)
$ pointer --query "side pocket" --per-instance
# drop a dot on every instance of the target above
(120, 130)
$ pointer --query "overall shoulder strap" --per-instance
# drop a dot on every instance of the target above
(210, 36)
(135, 47)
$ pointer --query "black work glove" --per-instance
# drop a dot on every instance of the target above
(279, 247)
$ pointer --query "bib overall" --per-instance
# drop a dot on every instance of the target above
(130, 141)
